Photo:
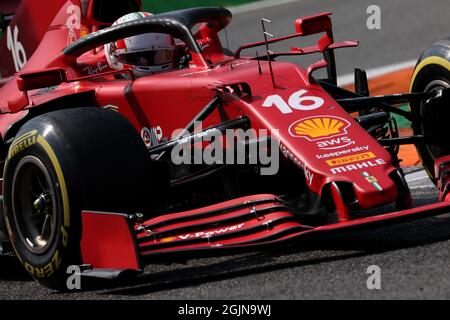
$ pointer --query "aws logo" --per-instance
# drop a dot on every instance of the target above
(335, 143)
(318, 128)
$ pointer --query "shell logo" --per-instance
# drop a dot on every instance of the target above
(316, 128)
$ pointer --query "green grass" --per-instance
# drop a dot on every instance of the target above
(157, 6)
(401, 121)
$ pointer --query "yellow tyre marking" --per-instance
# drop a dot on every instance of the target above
(53, 265)
(23, 142)
(23, 137)
(61, 180)
(430, 60)
(12, 152)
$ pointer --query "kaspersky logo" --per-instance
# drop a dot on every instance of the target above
(318, 128)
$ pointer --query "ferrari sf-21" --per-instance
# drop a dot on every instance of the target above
(90, 151)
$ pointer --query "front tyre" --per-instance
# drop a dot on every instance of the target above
(432, 73)
(63, 162)
(38, 213)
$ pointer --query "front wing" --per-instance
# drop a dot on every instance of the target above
(113, 241)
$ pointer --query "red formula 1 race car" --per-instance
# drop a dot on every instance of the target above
(96, 173)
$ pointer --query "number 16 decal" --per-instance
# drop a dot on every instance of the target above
(297, 101)
(17, 50)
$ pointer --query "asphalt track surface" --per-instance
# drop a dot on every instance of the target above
(414, 258)
(408, 27)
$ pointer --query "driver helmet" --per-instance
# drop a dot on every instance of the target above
(145, 54)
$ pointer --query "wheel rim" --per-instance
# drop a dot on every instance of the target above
(426, 114)
(34, 205)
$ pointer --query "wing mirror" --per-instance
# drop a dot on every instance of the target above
(41, 79)
(317, 23)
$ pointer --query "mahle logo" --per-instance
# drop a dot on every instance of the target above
(317, 128)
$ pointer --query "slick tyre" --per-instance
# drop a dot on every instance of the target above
(432, 73)
(63, 162)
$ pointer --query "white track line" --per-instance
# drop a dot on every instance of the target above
(417, 176)
(342, 80)
(376, 72)
(259, 5)
(419, 180)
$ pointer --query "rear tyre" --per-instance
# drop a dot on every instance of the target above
(63, 162)
(432, 73)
